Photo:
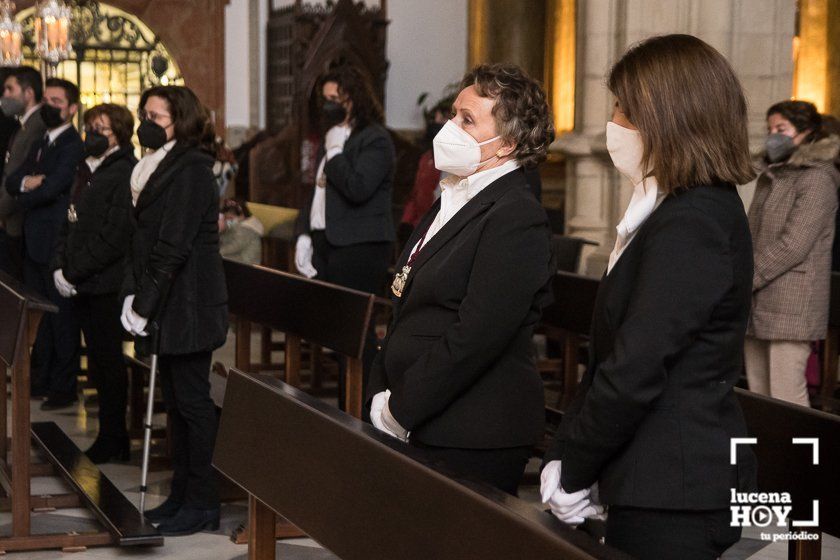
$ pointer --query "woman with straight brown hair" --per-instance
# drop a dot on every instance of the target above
(654, 415)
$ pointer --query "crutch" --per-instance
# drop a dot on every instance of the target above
(147, 423)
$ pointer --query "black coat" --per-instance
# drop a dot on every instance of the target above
(175, 269)
(359, 187)
(458, 357)
(654, 414)
(45, 208)
(91, 252)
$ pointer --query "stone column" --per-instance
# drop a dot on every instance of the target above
(755, 35)
(508, 31)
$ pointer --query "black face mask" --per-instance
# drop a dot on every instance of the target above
(151, 135)
(51, 116)
(332, 114)
(95, 144)
(432, 130)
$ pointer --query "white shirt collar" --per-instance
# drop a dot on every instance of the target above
(29, 113)
(94, 163)
(477, 182)
(56, 132)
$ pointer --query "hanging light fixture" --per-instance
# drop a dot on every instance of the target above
(11, 35)
(52, 32)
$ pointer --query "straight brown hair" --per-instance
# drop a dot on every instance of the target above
(689, 107)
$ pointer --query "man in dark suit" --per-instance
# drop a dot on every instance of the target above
(42, 186)
(22, 92)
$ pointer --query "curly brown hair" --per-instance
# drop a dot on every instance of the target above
(122, 123)
(520, 108)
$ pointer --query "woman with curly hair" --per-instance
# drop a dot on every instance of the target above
(456, 377)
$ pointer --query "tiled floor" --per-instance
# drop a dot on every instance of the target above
(80, 424)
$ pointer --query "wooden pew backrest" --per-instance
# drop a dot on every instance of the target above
(361, 495)
(326, 314)
(785, 467)
(14, 300)
(574, 300)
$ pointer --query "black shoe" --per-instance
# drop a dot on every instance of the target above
(59, 402)
(106, 449)
(189, 521)
(167, 510)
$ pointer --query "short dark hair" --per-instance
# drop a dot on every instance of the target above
(28, 77)
(122, 123)
(357, 87)
(188, 114)
(520, 108)
(71, 90)
(802, 115)
(690, 110)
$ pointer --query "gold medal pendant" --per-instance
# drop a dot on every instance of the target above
(398, 285)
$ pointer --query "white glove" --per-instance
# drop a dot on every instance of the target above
(131, 321)
(572, 508)
(65, 288)
(303, 256)
(335, 139)
(377, 406)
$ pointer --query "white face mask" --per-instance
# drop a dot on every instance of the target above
(626, 150)
(457, 152)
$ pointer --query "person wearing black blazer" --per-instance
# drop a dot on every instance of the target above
(89, 263)
(456, 375)
(41, 186)
(346, 230)
(652, 420)
(175, 281)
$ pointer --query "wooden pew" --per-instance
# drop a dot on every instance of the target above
(831, 350)
(785, 467)
(569, 319)
(22, 311)
(324, 314)
(362, 494)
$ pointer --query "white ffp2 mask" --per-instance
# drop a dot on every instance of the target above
(626, 150)
(457, 152)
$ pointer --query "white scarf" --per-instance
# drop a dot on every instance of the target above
(646, 198)
(144, 169)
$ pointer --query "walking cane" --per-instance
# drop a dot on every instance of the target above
(147, 423)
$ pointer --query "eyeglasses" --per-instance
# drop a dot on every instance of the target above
(104, 130)
(152, 116)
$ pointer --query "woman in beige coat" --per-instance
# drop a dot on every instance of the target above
(792, 224)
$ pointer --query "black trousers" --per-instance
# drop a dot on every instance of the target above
(55, 354)
(651, 534)
(502, 468)
(11, 254)
(185, 382)
(99, 316)
(362, 267)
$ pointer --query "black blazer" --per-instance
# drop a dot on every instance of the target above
(175, 269)
(458, 356)
(91, 251)
(46, 207)
(654, 414)
(359, 187)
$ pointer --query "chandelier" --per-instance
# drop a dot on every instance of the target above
(11, 36)
(52, 31)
